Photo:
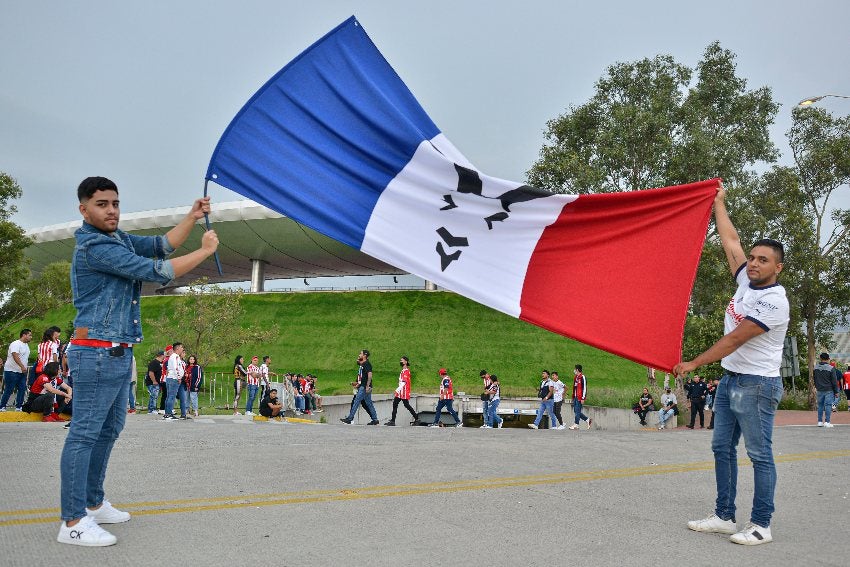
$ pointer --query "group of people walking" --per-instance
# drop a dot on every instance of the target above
(551, 394)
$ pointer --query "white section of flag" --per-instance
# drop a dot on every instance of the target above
(402, 229)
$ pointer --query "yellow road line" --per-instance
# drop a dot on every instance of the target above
(20, 517)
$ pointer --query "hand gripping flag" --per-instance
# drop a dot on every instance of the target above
(336, 141)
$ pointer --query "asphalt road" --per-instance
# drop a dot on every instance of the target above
(224, 492)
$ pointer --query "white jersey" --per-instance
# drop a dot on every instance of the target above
(768, 308)
(559, 391)
(23, 351)
(175, 367)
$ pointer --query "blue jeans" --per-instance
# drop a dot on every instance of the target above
(448, 405)
(362, 394)
(493, 418)
(299, 402)
(100, 408)
(183, 396)
(745, 404)
(825, 401)
(11, 381)
(485, 411)
(193, 401)
(577, 410)
(664, 415)
(252, 395)
(132, 395)
(547, 407)
(153, 392)
(172, 386)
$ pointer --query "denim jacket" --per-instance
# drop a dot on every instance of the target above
(107, 272)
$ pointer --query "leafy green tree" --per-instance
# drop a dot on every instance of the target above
(649, 124)
(13, 240)
(797, 205)
(208, 321)
(34, 297)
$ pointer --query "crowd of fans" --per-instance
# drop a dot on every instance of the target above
(175, 379)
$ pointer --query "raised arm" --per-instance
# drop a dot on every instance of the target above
(178, 235)
(729, 238)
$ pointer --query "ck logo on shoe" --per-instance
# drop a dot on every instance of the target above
(76, 534)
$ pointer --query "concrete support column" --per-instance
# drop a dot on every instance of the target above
(258, 275)
(430, 286)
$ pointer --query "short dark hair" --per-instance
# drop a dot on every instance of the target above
(51, 369)
(824, 356)
(175, 345)
(578, 367)
(24, 332)
(265, 358)
(407, 360)
(494, 378)
(482, 373)
(771, 243)
(365, 353)
(90, 185)
(273, 390)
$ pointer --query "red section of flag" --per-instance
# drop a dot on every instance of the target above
(616, 270)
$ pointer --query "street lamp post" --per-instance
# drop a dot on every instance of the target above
(811, 100)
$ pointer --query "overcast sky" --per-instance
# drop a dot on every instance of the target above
(141, 91)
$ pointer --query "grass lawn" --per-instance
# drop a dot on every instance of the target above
(322, 332)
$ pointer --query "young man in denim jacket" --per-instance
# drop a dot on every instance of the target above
(107, 272)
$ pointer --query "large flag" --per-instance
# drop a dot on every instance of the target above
(336, 141)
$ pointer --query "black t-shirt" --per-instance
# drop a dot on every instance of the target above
(154, 366)
(697, 391)
(265, 410)
(363, 373)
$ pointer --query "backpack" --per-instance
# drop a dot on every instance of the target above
(544, 390)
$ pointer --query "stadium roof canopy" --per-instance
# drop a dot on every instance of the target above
(247, 232)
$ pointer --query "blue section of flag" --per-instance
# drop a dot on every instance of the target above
(321, 139)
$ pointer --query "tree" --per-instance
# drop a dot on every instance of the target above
(208, 322)
(34, 297)
(646, 126)
(796, 205)
(13, 240)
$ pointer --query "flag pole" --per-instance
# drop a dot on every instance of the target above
(207, 224)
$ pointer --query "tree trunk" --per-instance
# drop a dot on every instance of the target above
(810, 356)
(650, 377)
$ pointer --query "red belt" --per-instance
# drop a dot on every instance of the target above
(97, 343)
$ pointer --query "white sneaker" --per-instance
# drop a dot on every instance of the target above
(713, 524)
(459, 425)
(574, 426)
(827, 424)
(249, 413)
(589, 423)
(2, 409)
(660, 427)
(87, 533)
(19, 409)
(562, 426)
(433, 425)
(236, 413)
(820, 424)
(531, 425)
(752, 534)
(500, 424)
(108, 514)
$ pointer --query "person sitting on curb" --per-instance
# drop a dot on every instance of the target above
(271, 407)
(644, 406)
(669, 407)
(47, 389)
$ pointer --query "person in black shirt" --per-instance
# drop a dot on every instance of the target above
(152, 379)
(270, 406)
(364, 389)
(644, 405)
(696, 395)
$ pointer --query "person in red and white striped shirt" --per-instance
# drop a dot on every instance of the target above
(253, 380)
(48, 349)
(446, 399)
(402, 393)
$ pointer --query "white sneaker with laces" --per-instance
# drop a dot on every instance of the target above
(589, 423)
(500, 424)
(574, 426)
(713, 524)
(820, 424)
(249, 413)
(752, 534)
(562, 426)
(87, 533)
(108, 514)
(531, 425)
(827, 424)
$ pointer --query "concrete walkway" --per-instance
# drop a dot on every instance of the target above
(223, 491)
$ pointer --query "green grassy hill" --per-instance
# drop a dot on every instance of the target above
(322, 333)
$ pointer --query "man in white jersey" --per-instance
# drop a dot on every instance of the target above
(749, 392)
